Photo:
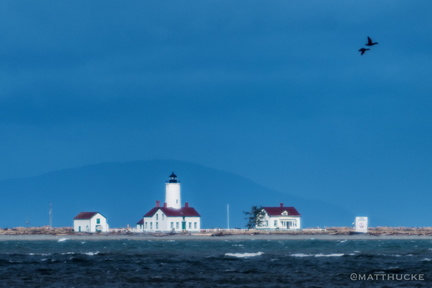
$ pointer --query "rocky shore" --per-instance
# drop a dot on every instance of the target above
(315, 233)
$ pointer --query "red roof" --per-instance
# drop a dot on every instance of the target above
(277, 211)
(85, 215)
(141, 221)
(172, 212)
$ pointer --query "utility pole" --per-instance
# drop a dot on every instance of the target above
(228, 217)
(50, 215)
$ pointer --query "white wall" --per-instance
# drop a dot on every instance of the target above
(161, 223)
(82, 225)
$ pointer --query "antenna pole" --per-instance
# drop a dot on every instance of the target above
(228, 224)
(50, 215)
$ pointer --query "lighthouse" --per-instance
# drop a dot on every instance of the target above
(172, 192)
(171, 217)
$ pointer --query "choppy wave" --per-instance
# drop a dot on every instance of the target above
(91, 253)
(244, 255)
(318, 255)
(248, 263)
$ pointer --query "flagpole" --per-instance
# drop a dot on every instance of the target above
(228, 224)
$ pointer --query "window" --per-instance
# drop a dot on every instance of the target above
(151, 225)
(97, 220)
(190, 225)
(275, 223)
(157, 216)
(195, 225)
(157, 225)
(163, 216)
(172, 225)
(145, 225)
(177, 225)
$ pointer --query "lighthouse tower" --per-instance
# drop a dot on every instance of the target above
(172, 192)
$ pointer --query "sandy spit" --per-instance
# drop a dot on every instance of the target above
(198, 237)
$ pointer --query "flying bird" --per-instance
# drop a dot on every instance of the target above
(370, 42)
(363, 50)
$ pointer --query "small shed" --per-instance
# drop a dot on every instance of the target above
(90, 222)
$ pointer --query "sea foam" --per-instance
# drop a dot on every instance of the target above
(317, 255)
(244, 255)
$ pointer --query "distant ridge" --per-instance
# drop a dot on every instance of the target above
(124, 192)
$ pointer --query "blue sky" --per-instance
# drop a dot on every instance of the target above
(273, 91)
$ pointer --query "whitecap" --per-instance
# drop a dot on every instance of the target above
(244, 255)
(330, 255)
(317, 255)
(301, 255)
(426, 260)
(92, 253)
(39, 254)
(62, 239)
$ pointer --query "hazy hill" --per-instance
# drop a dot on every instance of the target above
(124, 192)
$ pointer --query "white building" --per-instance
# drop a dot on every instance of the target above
(361, 224)
(283, 218)
(90, 222)
(171, 217)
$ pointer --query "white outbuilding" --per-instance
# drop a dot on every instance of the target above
(281, 218)
(361, 224)
(90, 222)
(171, 217)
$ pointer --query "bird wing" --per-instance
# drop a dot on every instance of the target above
(369, 40)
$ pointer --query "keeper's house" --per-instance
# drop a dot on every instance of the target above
(90, 222)
(171, 217)
(283, 218)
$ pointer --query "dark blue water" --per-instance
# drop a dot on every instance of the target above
(221, 263)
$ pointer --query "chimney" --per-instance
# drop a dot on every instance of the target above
(186, 204)
(157, 203)
(165, 205)
(281, 204)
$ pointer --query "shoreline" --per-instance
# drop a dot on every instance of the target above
(198, 237)
(332, 233)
